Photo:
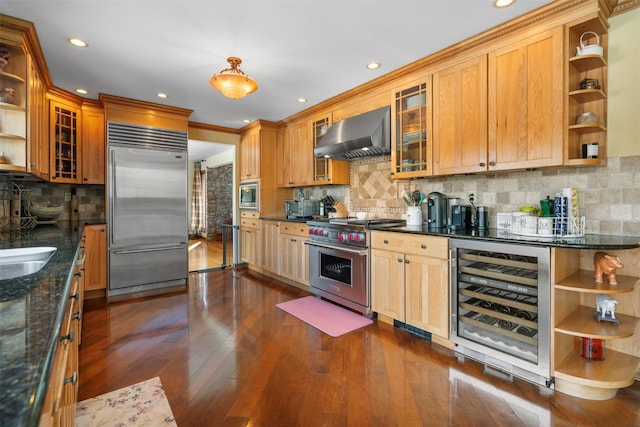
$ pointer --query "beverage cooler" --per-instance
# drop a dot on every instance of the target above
(500, 306)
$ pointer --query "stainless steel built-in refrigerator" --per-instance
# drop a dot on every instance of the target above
(147, 205)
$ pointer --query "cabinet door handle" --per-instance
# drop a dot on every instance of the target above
(293, 240)
(406, 261)
(399, 259)
(75, 296)
(77, 315)
(423, 246)
(73, 379)
(482, 164)
(385, 241)
(492, 163)
(67, 337)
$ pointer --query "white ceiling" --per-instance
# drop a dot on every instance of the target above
(314, 49)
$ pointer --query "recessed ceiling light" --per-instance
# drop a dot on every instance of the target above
(503, 3)
(302, 100)
(373, 65)
(162, 95)
(246, 121)
(82, 91)
(77, 42)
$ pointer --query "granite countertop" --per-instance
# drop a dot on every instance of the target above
(588, 241)
(31, 312)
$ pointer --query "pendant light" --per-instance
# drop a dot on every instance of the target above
(233, 82)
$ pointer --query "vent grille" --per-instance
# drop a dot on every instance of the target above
(137, 136)
(358, 154)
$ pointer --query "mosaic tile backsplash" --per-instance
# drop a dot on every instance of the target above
(609, 197)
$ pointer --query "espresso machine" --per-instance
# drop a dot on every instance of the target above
(436, 211)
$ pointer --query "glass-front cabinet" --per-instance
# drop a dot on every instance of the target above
(320, 165)
(326, 171)
(411, 154)
(65, 155)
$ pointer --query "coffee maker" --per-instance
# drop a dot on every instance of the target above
(436, 211)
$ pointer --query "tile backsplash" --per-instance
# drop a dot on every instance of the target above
(609, 197)
(91, 200)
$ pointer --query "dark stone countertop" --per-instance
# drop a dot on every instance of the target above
(588, 241)
(31, 314)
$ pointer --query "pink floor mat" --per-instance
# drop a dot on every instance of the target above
(323, 315)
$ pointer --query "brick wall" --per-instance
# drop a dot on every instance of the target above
(219, 199)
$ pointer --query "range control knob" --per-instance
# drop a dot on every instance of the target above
(343, 237)
(356, 237)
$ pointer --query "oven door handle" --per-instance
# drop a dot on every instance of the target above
(361, 252)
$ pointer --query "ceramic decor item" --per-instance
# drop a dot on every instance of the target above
(592, 49)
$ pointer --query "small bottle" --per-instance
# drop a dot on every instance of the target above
(322, 211)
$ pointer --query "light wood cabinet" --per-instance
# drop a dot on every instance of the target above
(65, 121)
(526, 103)
(412, 285)
(250, 238)
(574, 294)
(294, 254)
(59, 406)
(13, 113)
(295, 156)
(270, 231)
(411, 124)
(460, 118)
(93, 144)
(326, 171)
(586, 99)
(38, 139)
(95, 241)
(250, 155)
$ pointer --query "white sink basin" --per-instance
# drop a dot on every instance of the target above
(23, 261)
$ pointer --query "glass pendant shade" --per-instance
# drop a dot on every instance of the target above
(233, 82)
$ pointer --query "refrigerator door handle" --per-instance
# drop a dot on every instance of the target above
(134, 251)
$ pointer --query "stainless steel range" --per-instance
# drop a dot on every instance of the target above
(339, 260)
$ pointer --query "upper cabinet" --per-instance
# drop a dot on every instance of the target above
(93, 143)
(64, 119)
(250, 155)
(38, 145)
(13, 101)
(295, 156)
(460, 118)
(411, 138)
(587, 92)
(326, 171)
(526, 103)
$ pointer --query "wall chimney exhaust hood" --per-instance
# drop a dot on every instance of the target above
(366, 135)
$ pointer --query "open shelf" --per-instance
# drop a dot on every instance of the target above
(617, 370)
(587, 128)
(587, 62)
(583, 281)
(587, 95)
(582, 323)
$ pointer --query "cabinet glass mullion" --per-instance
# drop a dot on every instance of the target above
(66, 132)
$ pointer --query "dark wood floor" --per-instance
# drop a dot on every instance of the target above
(228, 357)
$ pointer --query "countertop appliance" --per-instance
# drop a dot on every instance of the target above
(339, 260)
(147, 209)
(436, 211)
(304, 208)
(501, 306)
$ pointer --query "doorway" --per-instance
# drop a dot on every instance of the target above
(207, 244)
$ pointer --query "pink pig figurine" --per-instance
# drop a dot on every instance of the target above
(604, 263)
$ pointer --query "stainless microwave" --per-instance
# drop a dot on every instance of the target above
(249, 196)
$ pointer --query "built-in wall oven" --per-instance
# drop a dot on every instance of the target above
(500, 306)
(339, 261)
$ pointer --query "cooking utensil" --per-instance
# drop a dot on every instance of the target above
(416, 196)
(406, 197)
